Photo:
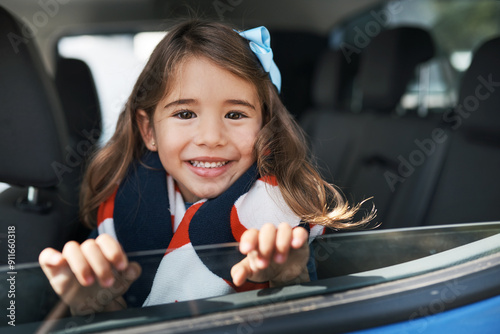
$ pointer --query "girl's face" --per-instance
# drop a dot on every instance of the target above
(205, 129)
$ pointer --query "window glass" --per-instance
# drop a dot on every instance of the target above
(344, 261)
(115, 61)
(457, 27)
(3, 186)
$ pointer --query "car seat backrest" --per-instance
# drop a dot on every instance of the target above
(386, 165)
(388, 63)
(80, 102)
(32, 125)
(42, 204)
(296, 70)
(468, 188)
(363, 151)
(332, 80)
(326, 124)
(479, 95)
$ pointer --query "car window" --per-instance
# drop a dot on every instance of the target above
(458, 28)
(115, 61)
(343, 262)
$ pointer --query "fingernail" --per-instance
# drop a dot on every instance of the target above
(279, 258)
(131, 273)
(109, 282)
(89, 280)
(121, 266)
(261, 263)
(237, 277)
(55, 259)
(245, 247)
(239, 273)
(296, 243)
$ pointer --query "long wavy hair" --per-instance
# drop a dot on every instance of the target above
(280, 148)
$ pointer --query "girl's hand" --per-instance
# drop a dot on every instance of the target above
(278, 255)
(91, 277)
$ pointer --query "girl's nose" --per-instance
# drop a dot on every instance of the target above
(210, 132)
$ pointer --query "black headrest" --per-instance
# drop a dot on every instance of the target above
(479, 97)
(80, 102)
(32, 127)
(388, 63)
(331, 78)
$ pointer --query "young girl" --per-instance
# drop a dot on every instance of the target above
(204, 153)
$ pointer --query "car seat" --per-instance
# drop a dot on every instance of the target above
(80, 102)
(468, 189)
(363, 150)
(42, 204)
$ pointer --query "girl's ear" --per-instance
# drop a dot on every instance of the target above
(147, 131)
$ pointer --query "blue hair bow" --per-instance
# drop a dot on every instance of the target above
(260, 43)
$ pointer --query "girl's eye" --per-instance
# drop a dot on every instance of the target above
(185, 114)
(235, 115)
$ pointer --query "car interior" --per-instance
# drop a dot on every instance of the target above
(357, 80)
(418, 170)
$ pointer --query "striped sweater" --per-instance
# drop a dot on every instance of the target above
(146, 212)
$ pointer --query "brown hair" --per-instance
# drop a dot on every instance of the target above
(280, 148)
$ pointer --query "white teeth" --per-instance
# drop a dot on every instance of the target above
(206, 164)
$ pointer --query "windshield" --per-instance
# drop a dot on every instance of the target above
(344, 261)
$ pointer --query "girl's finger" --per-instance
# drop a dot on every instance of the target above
(98, 262)
(112, 251)
(267, 241)
(299, 237)
(240, 272)
(51, 261)
(249, 241)
(50, 257)
(283, 239)
(77, 262)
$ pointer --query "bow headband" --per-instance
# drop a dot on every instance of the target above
(260, 44)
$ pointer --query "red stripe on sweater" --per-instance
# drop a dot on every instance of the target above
(269, 180)
(181, 236)
(236, 226)
(106, 208)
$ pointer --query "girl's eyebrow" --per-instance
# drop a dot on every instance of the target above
(193, 101)
(180, 102)
(241, 103)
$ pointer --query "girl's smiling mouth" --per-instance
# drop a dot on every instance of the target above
(209, 167)
(207, 164)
